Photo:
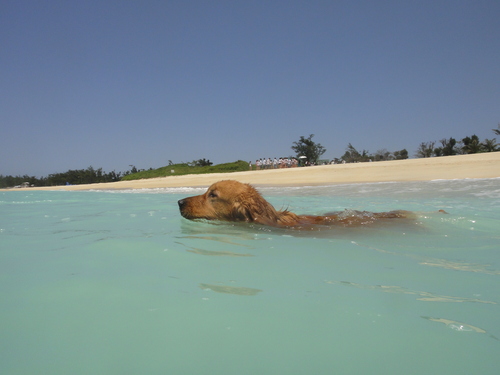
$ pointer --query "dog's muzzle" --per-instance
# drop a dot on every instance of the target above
(182, 208)
(181, 203)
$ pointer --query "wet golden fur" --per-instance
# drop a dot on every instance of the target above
(234, 201)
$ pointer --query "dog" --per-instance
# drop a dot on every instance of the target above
(233, 201)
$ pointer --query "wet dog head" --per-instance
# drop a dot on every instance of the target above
(229, 200)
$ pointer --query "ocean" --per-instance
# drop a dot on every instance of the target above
(117, 282)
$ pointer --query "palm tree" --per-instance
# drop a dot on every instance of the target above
(490, 145)
(497, 131)
(471, 145)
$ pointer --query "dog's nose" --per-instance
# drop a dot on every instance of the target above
(181, 203)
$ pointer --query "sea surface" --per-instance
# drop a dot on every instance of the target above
(117, 282)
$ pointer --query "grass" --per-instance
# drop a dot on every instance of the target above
(183, 169)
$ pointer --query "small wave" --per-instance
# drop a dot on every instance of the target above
(169, 190)
(26, 202)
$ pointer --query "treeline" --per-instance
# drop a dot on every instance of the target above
(312, 151)
(305, 146)
(448, 147)
(354, 156)
(445, 147)
(93, 176)
(71, 177)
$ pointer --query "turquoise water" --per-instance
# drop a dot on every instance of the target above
(118, 283)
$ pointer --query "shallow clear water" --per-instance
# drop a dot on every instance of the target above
(118, 283)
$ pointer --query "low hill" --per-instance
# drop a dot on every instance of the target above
(183, 169)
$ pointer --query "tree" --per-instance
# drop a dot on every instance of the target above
(351, 155)
(383, 155)
(308, 148)
(497, 131)
(201, 163)
(448, 147)
(471, 145)
(73, 177)
(438, 151)
(401, 154)
(490, 145)
(425, 150)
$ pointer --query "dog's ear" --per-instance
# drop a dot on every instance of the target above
(241, 212)
(251, 207)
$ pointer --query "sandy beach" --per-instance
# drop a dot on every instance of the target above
(485, 165)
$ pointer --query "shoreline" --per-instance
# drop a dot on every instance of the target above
(474, 166)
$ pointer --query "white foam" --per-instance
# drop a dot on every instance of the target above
(171, 190)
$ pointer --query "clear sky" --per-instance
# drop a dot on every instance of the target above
(118, 83)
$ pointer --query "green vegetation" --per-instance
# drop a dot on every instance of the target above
(71, 177)
(468, 145)
(191, 168)
(354, 156)
(303, 147)
(92, 176)
(447, 147)
(308, 148)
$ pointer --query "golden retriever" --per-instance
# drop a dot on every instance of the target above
(234, 201)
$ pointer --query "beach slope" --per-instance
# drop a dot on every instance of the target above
(485, 165)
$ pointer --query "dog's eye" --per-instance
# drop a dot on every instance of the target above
(212, 194)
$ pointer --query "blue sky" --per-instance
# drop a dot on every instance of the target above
(118, 83)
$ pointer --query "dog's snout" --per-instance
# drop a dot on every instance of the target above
(181, 202)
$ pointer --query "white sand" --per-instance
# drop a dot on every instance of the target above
(485, 165)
